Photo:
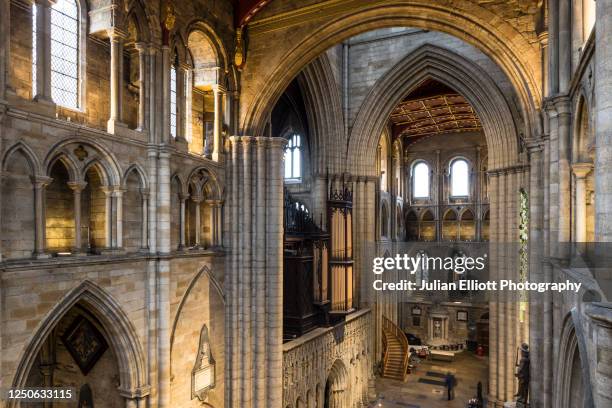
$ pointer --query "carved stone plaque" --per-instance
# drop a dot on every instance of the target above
(203, 373)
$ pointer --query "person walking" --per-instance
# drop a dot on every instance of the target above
(450, 382)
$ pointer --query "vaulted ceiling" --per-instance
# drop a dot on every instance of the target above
(433, 108)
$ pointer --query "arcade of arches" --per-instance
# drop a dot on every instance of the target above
(188, 191)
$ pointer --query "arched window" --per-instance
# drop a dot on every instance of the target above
(173, 106)
(420, 180)
(384, 221)
(459, 178)
(64, 33)
(293, 158)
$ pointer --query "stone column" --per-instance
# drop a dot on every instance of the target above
(600, 315)
(40, 184)
(43, 51)
(183, 198)
(580, 171)
(166, 137)
(255, 281)
(603, 122)
(5, 47)
(131, 403)
(181, 111)
(142, 80)
(118, 195)
(198, 226)
(115, 121)
(218, 92)
(108, 212)
(77, 187)
(565, 44)
(562, 106)
(145, 220)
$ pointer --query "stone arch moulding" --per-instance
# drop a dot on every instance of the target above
(29, 154)
(572, 335)
(211, 183)
(106, 159)
(447, 67)
(121, 335)
(215, 40)
(508, 48)
(142, 176)
(204, 271)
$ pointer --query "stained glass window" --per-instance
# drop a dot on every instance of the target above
(293, 158)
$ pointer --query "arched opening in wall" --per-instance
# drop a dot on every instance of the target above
(468, 226)
(18, 214)
(427, 230)
(202, 88)
(299, 403)
(573, 385)
(450, 226)
(310, 399)
(60, 230)
(412, 227)
(78, 353)
(486, 220)
(397, 168)
(134, 213)
(337, 392)
(199, 209)
(134, 57)
(94, 233)
(583, 180)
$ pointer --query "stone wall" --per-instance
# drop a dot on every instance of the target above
(308, 363)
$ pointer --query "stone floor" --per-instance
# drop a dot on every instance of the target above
(467, 368)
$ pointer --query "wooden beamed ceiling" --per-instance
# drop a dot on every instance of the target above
(433, 108)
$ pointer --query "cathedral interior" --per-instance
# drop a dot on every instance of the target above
(190, 192)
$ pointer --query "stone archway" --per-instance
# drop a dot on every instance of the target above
(337, 388)
(119, 332)
(573, 385)
(519, 59)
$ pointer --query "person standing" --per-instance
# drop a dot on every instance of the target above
(450, 382)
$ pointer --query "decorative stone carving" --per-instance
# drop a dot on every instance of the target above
(203, 373)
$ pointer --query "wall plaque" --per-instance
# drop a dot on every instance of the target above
(203, 373)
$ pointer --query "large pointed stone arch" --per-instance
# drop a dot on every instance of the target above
(120, 332)
(270, 71)
(445, 66)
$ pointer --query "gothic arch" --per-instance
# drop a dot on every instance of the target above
(144, 182)
(448, 68)
(572, 341)
(27, 152)
(180, 181)
(138, 15)
(323, 107)
(106, 159)
(210, 185)
(496, 38)
(205, 28)
(337, 388)
(204, 271)
(121, 335)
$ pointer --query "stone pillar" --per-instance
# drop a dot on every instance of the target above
(43, 51)
(218, 92)
(145, 220)
(166, 137)
(40, 183)
(183, 198)
(580, 171)
(603, 121)
(115, 121)
(255, 279)
(562, 106)
(108, 212)
(131, 403)
(181, 110)
(77, 187)
(565, 44)
(118, 195)
(142, 80)
(215, 223)
(198, 222)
